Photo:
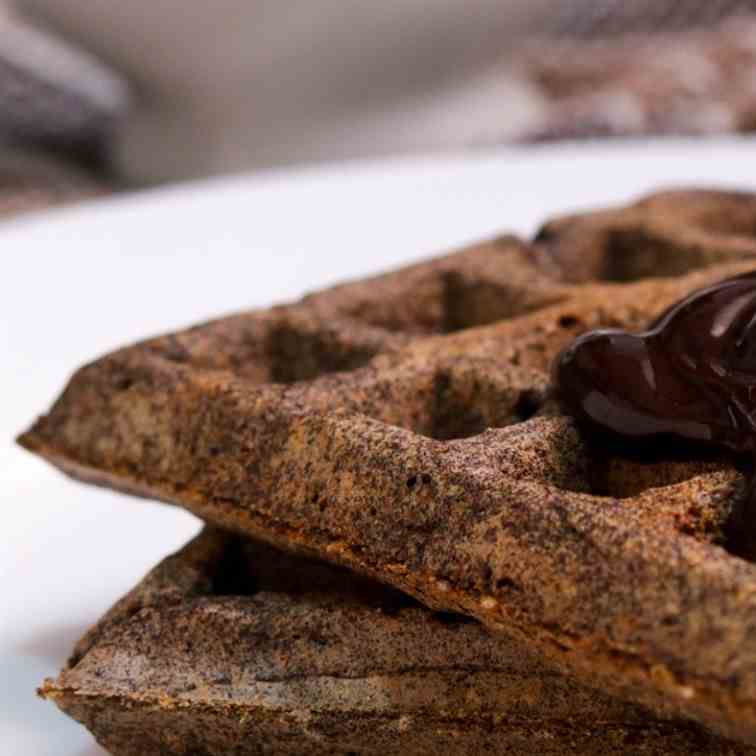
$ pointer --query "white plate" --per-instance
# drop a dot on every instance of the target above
(78, 282)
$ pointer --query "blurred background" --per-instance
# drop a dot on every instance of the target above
(99, 97)
(102, 98)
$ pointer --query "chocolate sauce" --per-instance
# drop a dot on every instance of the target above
(691, 376)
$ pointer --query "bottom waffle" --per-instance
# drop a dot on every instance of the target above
(231, 647)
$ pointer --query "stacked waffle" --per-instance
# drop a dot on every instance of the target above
(410, 548)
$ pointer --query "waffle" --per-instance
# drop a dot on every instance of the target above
(232, 647)
(401, 426)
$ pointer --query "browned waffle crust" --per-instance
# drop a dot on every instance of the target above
(398, 426)
(233, 647)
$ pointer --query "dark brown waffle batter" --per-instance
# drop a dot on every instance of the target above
(400, 426)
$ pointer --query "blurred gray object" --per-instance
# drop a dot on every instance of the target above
(240, 84)
(57, 105)
(50, 92)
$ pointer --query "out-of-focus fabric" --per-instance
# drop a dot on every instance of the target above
(239, 84)
(52, 93)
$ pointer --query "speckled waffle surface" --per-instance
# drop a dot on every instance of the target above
(401, 426)
(230, 646)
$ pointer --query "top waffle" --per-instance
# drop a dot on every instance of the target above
(401, 426)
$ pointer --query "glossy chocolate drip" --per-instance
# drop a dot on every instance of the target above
(690, 377)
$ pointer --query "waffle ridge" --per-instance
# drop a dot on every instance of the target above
(230, 646)
(402, 426)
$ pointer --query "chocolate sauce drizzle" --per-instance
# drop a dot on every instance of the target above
(690, 377)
